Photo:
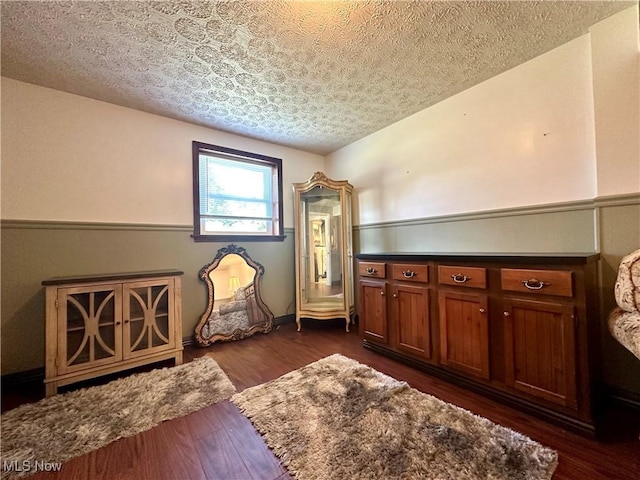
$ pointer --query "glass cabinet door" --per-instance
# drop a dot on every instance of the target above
(90, 326)
(147, 306)
(322, 255)
(324, 270)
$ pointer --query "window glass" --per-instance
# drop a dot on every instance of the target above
(237, 194)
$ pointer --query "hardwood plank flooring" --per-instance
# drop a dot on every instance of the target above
(218, 442)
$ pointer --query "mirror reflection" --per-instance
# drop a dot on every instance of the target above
(235, 309)
(323, 254)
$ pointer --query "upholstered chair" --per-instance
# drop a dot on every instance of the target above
(624, 320)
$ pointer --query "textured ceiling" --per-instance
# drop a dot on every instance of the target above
(310, 75)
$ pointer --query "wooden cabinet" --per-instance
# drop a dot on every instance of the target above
(540, 349)
(520, 328)
(372, 270)
(539, 333)
(411, 319)
(464, 332)
(462, 276)
(464, 321)
(401, 320)
(102, 324)
(373, 311)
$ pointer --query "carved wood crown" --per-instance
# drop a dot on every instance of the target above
(318, 177)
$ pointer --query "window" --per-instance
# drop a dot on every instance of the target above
(236, 195)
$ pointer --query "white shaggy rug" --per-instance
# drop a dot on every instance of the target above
(65, 426)
(338, 419)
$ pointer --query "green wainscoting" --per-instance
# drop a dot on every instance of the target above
(34, 251)
(554, 228)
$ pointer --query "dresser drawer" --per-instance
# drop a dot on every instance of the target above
(474, 277)
(372, 269)
(411, 272)
(545, 282)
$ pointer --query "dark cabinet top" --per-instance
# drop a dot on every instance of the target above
(110, 277)
(486, 257)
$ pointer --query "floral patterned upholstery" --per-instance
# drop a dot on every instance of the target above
(624, 320)
(627, 288)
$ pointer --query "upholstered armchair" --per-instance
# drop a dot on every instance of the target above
(624, 320)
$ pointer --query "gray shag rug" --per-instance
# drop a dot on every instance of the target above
(339, 419)
(65, 426)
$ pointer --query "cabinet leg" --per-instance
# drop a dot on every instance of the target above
(51, 389)
(298, 323)
(348, 320)
(179, 358)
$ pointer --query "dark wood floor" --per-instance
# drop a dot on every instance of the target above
(219, 443)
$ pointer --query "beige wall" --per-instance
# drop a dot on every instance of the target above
(525, 137)
(530, 136)
(90, 188)
(616, 91)
(545, 157)
(71, 158)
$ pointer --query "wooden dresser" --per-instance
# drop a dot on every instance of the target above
(96, 325)
(523, 329)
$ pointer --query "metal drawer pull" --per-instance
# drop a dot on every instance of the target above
(371, 271)
(460, 278)
(506, 314)
(482, 310)
(534, 284)
(409, 274)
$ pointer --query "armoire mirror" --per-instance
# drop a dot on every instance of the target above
(235, 309)
(324, 257)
